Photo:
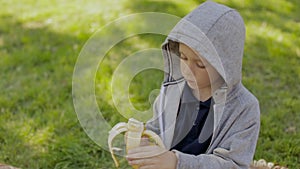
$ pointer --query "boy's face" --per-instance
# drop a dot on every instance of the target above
(195, 68)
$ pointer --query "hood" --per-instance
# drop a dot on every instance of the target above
(215, 31)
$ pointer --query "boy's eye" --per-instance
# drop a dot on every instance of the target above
(200, 65)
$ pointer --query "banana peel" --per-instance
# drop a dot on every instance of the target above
(134, 130)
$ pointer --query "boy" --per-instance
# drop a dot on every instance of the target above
(204, 115)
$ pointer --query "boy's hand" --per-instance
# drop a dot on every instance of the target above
(152, 157)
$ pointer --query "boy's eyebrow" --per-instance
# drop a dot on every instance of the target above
(181, 52)
(198, 58)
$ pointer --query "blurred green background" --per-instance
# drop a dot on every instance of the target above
(41, 40)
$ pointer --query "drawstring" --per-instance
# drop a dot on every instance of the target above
(160, 117)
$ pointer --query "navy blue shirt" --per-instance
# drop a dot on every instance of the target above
(195, 113)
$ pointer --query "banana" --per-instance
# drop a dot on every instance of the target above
(135, 130)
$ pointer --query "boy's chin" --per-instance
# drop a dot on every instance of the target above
(192, 84)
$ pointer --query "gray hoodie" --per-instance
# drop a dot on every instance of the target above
(217, 33)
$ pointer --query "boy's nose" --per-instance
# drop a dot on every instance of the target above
(188, 69)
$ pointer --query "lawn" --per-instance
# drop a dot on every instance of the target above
(41, 40)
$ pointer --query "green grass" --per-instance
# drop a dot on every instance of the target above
(39, 45)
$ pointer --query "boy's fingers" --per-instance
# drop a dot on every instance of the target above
(144, 141)
(145, 152)
(141, 162)
(141, 149)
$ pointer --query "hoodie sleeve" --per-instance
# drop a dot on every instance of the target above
(236, 149)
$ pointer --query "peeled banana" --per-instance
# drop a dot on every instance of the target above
(134, 130)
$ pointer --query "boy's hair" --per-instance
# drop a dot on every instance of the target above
(174, 47)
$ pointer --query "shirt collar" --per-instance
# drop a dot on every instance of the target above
(206, 103)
